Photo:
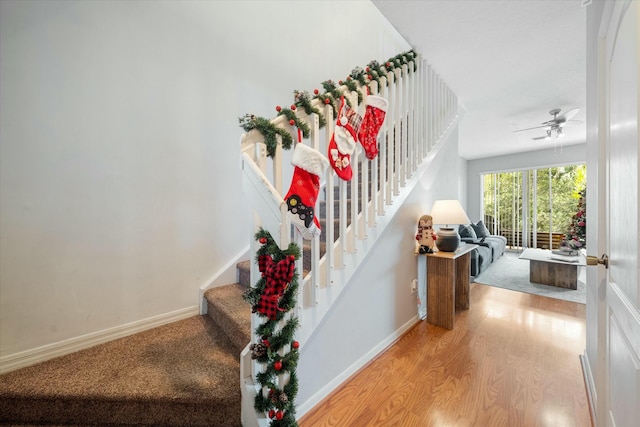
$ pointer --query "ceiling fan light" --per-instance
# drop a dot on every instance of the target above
(559, 133)
(548, 137)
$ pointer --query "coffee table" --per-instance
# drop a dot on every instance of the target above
(549, 268)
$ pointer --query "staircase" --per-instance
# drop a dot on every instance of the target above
(353, 215)
(186, 373)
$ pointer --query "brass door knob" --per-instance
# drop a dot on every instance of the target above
(604, 260)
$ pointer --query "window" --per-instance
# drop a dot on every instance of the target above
(533, 207)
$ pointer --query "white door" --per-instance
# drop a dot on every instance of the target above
(619, 332)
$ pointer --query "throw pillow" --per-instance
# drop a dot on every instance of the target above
(467, 231)
(481, 229)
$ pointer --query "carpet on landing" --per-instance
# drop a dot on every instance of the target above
(510, 272)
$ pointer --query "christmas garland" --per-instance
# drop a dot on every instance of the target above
(268, 130)
(272, 297)
(353, 87)
(375, 70)
(331, 96)
(303, 100)
(293, 119)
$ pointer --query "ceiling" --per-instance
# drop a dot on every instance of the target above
(509, 63)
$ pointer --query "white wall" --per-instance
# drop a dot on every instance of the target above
(378, 300)
(569, 154)
(120, 188)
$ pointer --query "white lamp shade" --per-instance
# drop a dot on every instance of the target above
(447, 212)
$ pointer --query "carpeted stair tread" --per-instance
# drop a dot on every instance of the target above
(244, 273)
(336, 230)
(183, 373)
(231, 313)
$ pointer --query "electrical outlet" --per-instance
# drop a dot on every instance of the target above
(414, 286)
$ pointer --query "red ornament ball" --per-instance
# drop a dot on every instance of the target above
(293, 107)
(369, 76)
(278, 108)
(279, 415)
(277, 365)
(340, 82)
(327, 101)
(266, 343)
(388, 64)
(272, 413)
(291, 258)
(263, 240)
(316, 91)
(295, 344)
(292, 122)
(367, 69)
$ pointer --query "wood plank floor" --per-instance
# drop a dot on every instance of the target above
(511, 360)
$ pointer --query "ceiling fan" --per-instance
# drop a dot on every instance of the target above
(555, 125)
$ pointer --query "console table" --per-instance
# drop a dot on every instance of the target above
(448, 284)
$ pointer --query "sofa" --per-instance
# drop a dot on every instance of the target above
(490, 247)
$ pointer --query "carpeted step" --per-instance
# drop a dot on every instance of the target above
(336, 229)
(230, 313)
(244, 273)
(322, 209)
(185, 373)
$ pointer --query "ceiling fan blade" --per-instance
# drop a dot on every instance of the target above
(573, 122)
(536, 127)
(568, 115)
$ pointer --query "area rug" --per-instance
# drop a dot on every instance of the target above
(510, 272)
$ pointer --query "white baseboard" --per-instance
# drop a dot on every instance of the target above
(50, 351)
(305, 407)
(590, 385)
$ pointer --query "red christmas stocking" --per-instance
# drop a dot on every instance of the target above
(303, 193)
(343, 141)
(375, 112)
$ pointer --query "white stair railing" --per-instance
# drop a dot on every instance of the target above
(422, 109)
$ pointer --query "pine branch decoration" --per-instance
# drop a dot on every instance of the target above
(375, 71)
(277, 350)
(326, 99)
(358, 75)
(331, 89)
(294, 120)
(268, 130)
(401, 59)
(302, 99)
(353, 87)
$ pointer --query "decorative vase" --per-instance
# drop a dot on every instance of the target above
(448, 239)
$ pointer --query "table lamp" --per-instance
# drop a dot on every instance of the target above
(448, 212)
